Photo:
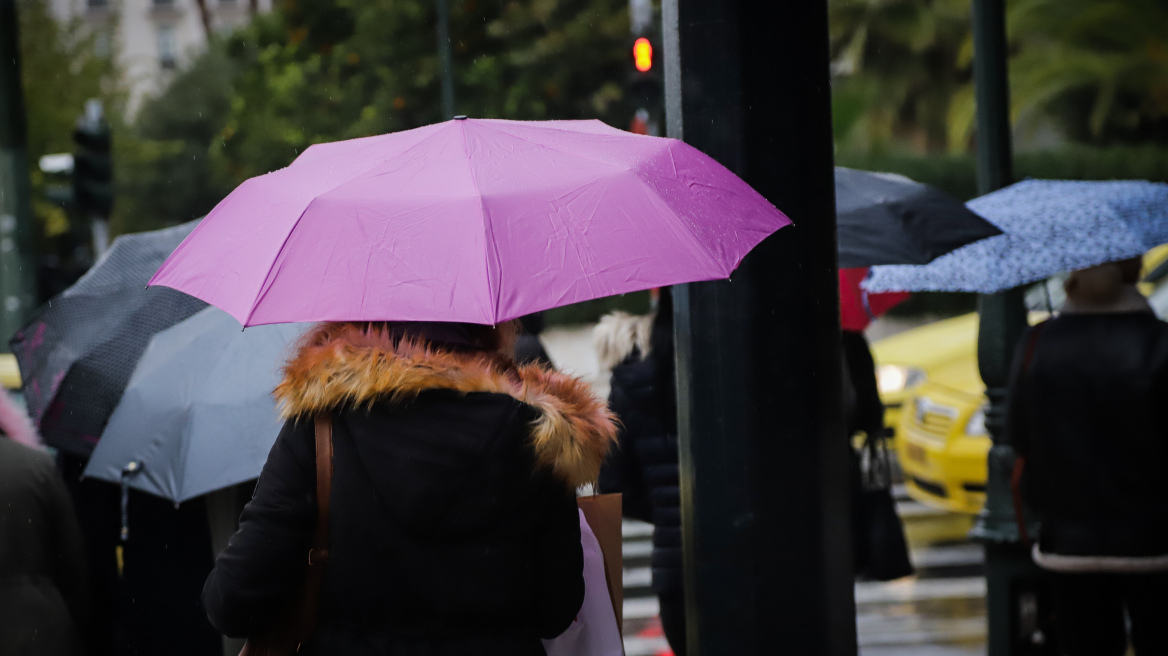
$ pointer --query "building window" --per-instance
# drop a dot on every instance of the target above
(167, 48)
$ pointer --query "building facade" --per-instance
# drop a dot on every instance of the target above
(153, 38)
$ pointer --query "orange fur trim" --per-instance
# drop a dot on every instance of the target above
(340, 366)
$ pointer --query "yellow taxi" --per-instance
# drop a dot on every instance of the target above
(935, 398)
(942, 350)
(9, 372)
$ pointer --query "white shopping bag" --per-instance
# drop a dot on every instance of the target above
(595, 632)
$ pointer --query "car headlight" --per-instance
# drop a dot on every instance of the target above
(893, 378)
(976, 427)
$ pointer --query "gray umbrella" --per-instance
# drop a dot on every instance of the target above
(198, 413)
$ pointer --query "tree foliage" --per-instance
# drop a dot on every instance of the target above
(165, 174)
(1097, 69)
(1100, 67)
(321, 70)
(897, 65)
(60, 70)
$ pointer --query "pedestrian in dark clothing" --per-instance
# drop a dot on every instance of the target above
(865, 410)
(145, 601)
(1086, 417)
(644, 465)
(453, 526)
(528, 346)
(44, 596)
(879, 549)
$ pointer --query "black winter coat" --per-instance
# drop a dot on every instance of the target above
(643, 467)
(1088, 413)
(44, 604)
(453, 526)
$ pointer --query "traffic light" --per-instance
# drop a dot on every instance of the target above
(645, 86)
(643, 54)
(92, 165)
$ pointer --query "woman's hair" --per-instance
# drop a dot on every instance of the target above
(497, 341)
(1130, 270)
(447, 335)
(1103, 283)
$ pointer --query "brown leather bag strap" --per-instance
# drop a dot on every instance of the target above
(324, 480)
(318, 554)
(297, 620)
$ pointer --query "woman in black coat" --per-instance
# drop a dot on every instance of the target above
(453, 525)
(644, 466)
(1087, 420)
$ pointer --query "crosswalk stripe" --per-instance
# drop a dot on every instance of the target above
(631, 528)
(638, 646)
(641, 608)
(875, 592)
(638, 577)
(637, 550)
(949, 556)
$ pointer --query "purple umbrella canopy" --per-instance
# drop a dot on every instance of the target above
(469, 220)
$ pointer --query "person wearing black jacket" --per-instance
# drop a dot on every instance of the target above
(44, 596)
(1087, 418)
(453, 524)
(644, 465)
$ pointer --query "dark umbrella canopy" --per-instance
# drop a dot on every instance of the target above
(198, 414)
(77, 353)
(884, 218)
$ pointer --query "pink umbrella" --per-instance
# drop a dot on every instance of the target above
(469, 220)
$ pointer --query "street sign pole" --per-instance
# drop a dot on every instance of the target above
(1011, 578)
(764, 461)
(17, 263)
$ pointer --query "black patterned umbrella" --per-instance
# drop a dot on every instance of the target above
(77, 352)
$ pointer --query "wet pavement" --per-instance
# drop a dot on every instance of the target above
(940, 611)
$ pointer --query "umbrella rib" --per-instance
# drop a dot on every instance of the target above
(494, 294)
(568, 152)
(280, 251)
(267, 278)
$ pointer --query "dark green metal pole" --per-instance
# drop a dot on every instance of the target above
(764, 462)
(17, 264)
(1010, 575)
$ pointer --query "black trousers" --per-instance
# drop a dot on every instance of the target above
(1090, 613)
(673, 620)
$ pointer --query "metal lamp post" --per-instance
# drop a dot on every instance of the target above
(1010, 575)
(17, 265)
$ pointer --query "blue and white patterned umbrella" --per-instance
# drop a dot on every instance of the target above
(1049, 226)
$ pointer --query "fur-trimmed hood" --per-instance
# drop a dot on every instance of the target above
(346, 367)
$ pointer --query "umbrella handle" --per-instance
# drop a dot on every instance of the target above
(131, 469)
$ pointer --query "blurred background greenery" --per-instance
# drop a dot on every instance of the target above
(1089, 91)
